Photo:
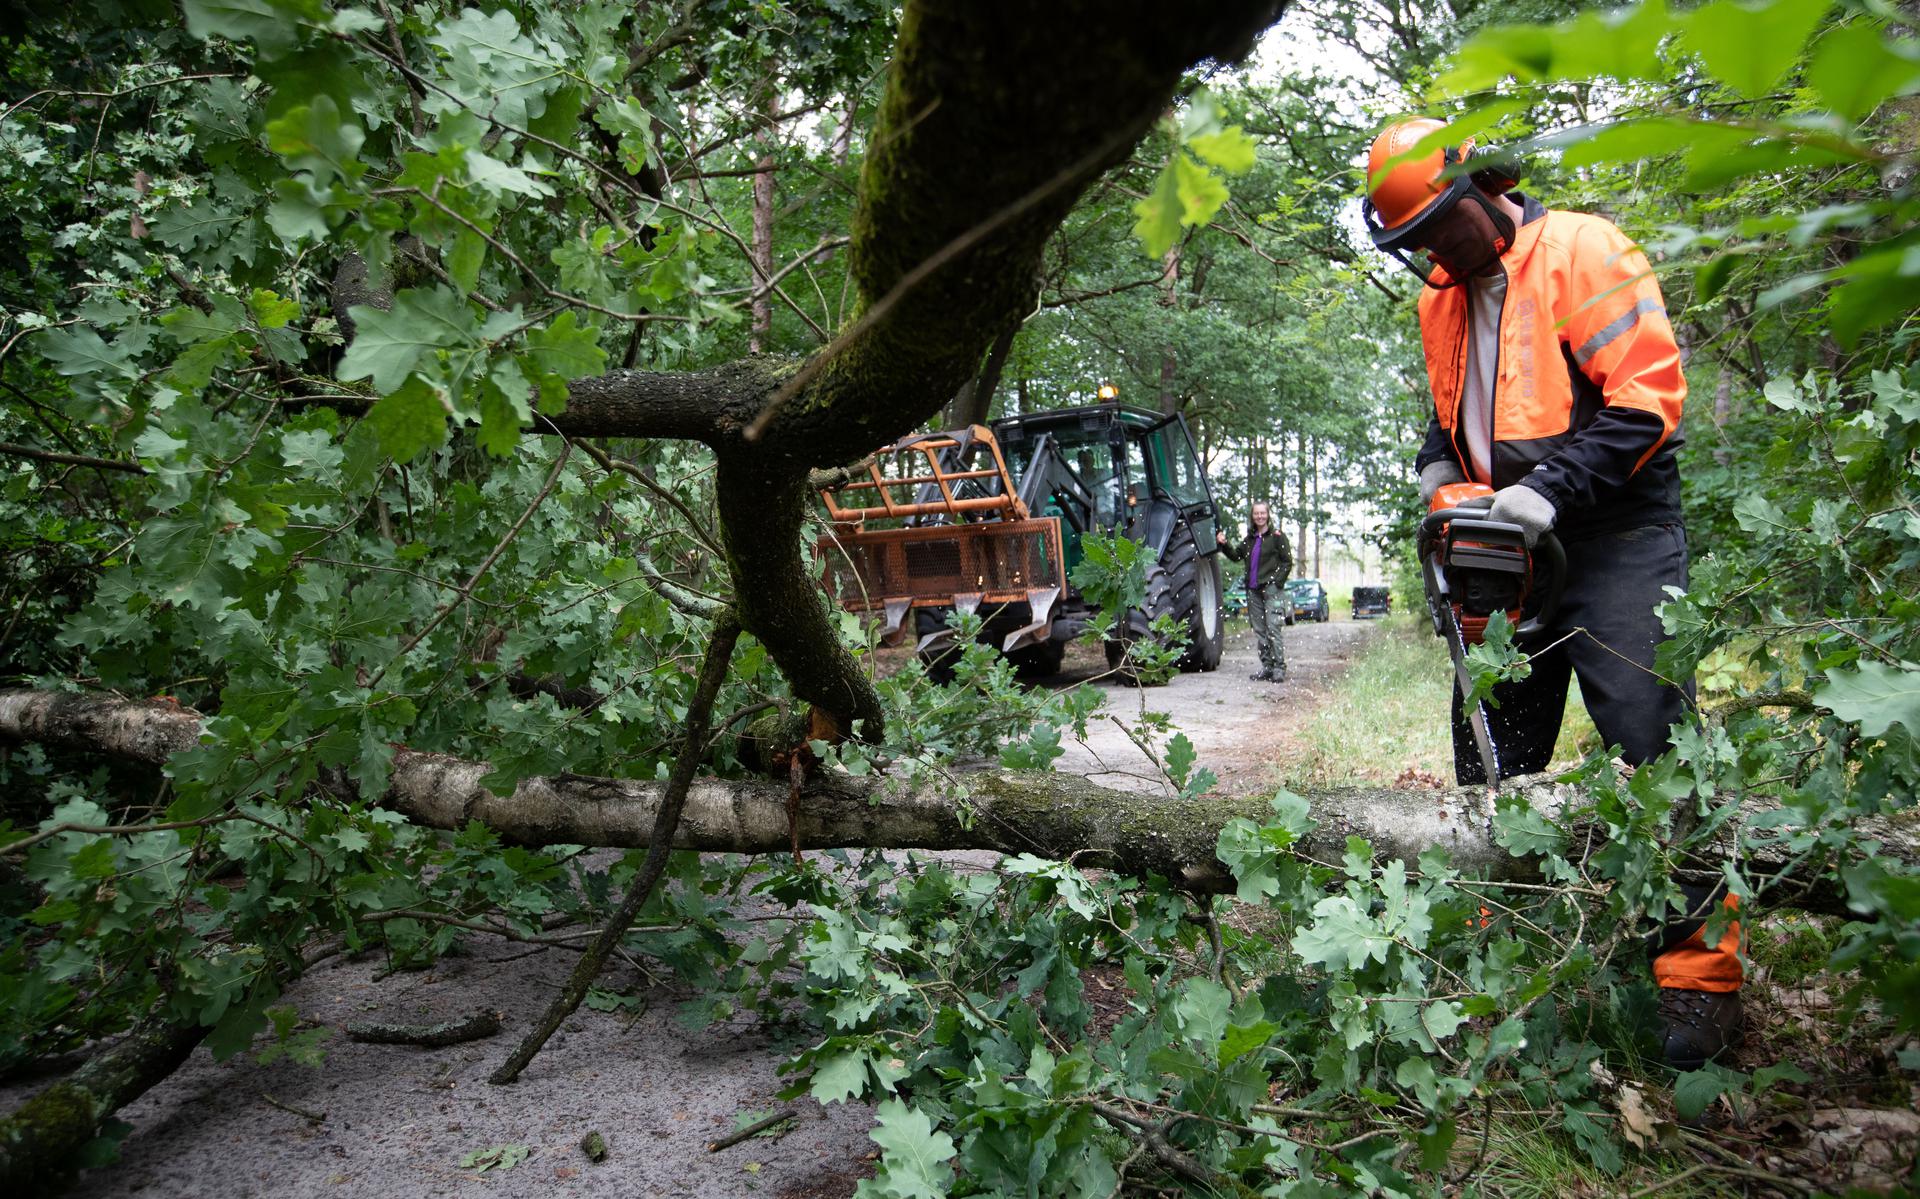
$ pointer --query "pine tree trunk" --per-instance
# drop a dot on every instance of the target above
(760, 321)
(1169, 298)
(1319, 524)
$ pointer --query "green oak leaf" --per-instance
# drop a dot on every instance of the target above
(314, 138)
(1158, 226)
(1749, 47)
(1180, 759)
(1874, 696)
(1341, 936)
(913, 1157)
(268, 24)
(387, 344)
(410, 421)
(566, 348)
(839, 1078)
(1201, 192)
(1230, 149)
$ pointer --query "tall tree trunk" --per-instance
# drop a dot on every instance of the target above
(974, 404)
(760, 321)
(1300, 549)
(1169, 300)
(1722, 412)
(842, 144)
(1319, 522)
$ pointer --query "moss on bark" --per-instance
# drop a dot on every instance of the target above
(40, 1141)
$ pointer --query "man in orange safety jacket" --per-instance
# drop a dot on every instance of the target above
(1557, 381)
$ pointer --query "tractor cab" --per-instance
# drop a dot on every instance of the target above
(991, 520)
(1109, 468)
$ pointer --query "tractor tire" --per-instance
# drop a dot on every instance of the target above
(1195, 580)
(1159, 603)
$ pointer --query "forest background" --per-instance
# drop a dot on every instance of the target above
(386, 379)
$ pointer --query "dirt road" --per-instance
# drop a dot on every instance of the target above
(397, 1121)
(1244, 730)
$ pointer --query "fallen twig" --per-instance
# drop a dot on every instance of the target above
(433, 1036)
(752, 1130)
(1157, 1143)
(314, 1117)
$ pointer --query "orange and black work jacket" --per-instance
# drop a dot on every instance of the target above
(1587, 386)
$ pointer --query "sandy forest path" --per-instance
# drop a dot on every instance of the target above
(398, 1120)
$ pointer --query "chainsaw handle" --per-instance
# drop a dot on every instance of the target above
(1435, 521)
(1537, 625)
(1434, 583)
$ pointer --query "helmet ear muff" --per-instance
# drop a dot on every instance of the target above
(1496, 178)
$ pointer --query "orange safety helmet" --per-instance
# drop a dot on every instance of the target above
(1405, 199)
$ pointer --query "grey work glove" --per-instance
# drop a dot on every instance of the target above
(1438, 475)
(1523, 506)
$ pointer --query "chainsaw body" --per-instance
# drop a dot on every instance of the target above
(1473, 567)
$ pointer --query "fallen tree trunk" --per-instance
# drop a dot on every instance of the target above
(40, 1141)
(1051, 815)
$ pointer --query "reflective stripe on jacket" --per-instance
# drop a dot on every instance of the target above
(1588, 389)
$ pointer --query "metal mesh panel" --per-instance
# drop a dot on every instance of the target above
(932, 557)
(1001, 560)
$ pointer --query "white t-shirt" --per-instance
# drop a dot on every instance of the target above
(1486, 294)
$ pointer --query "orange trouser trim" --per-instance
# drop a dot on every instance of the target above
(1694, 966)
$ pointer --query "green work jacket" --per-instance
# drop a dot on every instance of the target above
(1276, 556)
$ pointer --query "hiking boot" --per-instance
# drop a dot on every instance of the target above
(1277, 675)
(1697, 1026)
(1262, 675)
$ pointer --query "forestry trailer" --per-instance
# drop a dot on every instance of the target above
(990, 521)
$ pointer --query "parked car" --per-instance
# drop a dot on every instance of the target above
(1233, 601)
(1309, 601)
(1369, 602)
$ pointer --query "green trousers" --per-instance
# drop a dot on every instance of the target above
(1267, 613)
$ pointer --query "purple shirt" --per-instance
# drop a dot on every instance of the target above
(1253, 563)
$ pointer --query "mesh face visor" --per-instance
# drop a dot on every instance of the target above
(1412, 232)
(1482, 185)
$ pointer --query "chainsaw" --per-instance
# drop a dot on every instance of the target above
(1473, 567)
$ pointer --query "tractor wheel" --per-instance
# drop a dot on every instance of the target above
(1195, 580)
(1159, 603)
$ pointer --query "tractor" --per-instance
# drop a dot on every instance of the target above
(990, 520)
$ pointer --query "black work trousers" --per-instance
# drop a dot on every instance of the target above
(1614, 581)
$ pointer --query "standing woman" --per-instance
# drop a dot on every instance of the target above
(1269, 561)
